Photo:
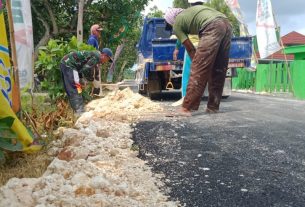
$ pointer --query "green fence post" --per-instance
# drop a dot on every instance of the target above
(299, 79)
(258, 82)
(272, 76)
(290, 77)
(246, 80)
(261, 77)
(253, 80)
(285, 77)
(278, 80)
(266, 78)
(235, 80)
(242, 79)
(248, 75)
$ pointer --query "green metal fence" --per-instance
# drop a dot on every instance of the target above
(244, 80)
(273, 78)
(298, 78)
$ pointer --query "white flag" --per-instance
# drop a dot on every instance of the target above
(243, 28)
(235, 9)
(21, 10)
(265, 29)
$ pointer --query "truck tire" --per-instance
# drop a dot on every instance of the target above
(153, 85)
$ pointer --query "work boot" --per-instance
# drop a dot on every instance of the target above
(76, 102)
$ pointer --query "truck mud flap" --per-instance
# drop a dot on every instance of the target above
(153, 85)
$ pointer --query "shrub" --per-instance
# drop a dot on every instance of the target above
(47, 65)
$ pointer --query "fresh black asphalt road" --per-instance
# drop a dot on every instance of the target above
(252, 153)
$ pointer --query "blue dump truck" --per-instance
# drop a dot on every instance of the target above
(157, 71)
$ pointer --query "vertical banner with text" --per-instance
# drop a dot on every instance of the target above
(266, 29)
(21, 10)
(6, 80)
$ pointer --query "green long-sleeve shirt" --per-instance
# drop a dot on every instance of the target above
(193, 19)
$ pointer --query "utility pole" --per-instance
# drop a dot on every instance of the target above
(16, 86)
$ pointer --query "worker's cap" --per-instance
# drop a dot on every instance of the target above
(96, 27)
(108, 52)
(195, 1)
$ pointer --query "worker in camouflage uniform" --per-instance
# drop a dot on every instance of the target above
(78, 65)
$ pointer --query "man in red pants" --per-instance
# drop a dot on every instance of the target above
(76, 65)
(210, 59)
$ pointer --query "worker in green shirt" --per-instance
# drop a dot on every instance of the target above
(210, 59)
(77, 66)
(187, 62)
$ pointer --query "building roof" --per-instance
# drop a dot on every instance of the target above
(290, 39)
(293, 38)
(277, 56)
(280, 56)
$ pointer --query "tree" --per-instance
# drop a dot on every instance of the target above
(120, 19)
(58, 19)
(48, 17)
(218, 5)
(181, 4)
(155, 12)
(80, 20)
(221, 6)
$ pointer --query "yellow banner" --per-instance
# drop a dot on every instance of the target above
(6, 93)
(6, 74)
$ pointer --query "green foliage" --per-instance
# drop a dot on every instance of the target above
(221, 6)
(4, 124)
(129, 54)
(113, 16)
(155, 12)
(57, 19)
(47, 65)
(8, 139)
(120, 20)
(129, 74)
(181, 4)
(218, 5)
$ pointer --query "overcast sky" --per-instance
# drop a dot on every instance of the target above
(289, 14)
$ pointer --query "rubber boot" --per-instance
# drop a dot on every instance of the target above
(76, 102)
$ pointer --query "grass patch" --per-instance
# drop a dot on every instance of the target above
(22, 165)
(46, 117)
